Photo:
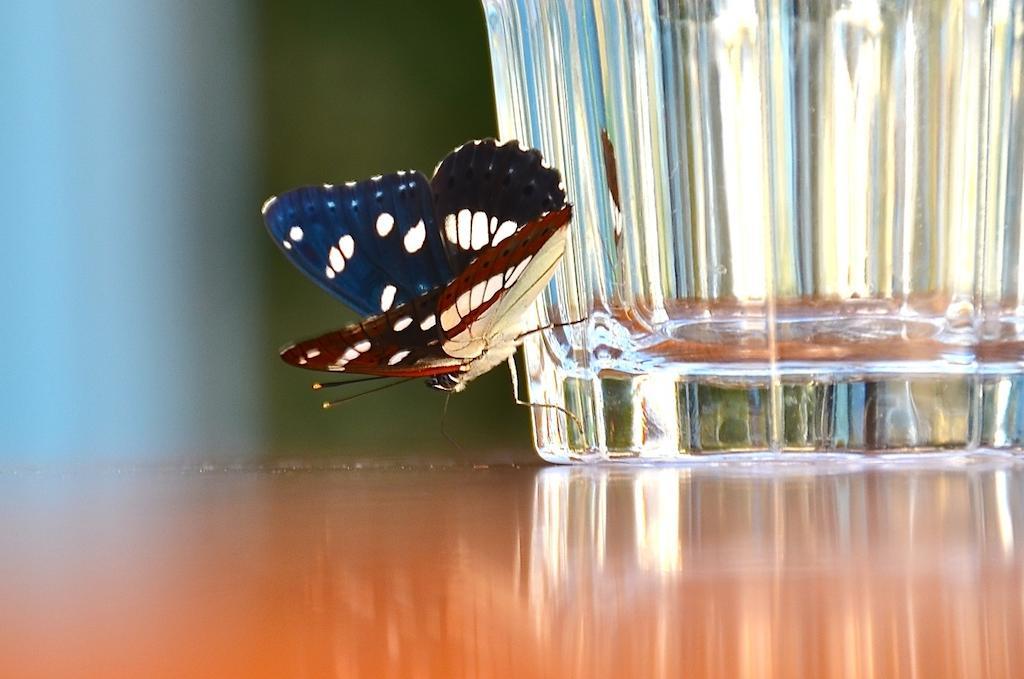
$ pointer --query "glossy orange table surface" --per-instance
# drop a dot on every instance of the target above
(771, 571)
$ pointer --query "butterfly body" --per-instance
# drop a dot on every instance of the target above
(443, 271)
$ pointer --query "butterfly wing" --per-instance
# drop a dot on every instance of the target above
(403, 342)
(485, 192)
(348, 239)
(436, 299)
(487, 299)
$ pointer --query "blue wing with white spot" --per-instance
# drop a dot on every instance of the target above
(373, 244)
(484, 192)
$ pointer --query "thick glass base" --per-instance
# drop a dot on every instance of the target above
(665, 417)
(675, 410)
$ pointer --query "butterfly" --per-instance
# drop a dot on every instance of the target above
(442, 271)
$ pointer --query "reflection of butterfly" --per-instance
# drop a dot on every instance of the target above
(443, 271)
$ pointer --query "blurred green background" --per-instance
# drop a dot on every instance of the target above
(145, 302)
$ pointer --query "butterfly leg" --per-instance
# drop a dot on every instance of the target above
(513, 372)
(549, 326)
(444, 418)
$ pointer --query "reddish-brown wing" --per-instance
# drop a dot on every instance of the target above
(402, 342)
(495, 273)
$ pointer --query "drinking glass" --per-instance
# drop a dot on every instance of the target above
(796, 226)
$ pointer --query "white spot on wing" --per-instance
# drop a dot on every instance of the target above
(350, 184)
(350, 354)
(387, 297)
(402, 323)
(463, 305)
(337, 261)
(397, 357)
(451, 229)
(462, 346)
(347, 245)
(512, 277)
(465, 228)
(286, 244)
(414, 238)
(428, 322)
(312, 353)
(493, 225)
(295, 233)
(385, 222)
(476, 295)
(329, 272)
(268, 203)
(450, 318)
(494, 284)
(328, 186)
(362, 347)
(504, 231)
(479, 236)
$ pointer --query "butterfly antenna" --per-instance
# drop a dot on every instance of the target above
(444, 417)
(331, 404)
(317, 386)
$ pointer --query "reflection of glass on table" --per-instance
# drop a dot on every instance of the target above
(785, 572)
(797, 225)
(767, 570)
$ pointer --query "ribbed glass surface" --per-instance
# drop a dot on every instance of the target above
(797, 224)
